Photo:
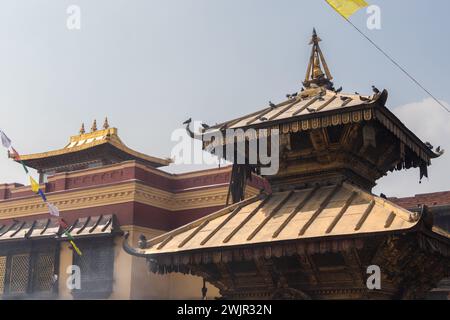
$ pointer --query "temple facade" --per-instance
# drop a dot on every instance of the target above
(319, 229)
(102, 189)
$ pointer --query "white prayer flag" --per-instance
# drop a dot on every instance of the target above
(6, 142)
(53, 209)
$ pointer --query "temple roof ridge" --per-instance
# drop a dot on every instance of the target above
(84, 142)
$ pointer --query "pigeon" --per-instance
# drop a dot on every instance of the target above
(345, 98)
(263, 119)
(338, 90)
(364, 98)
(272, 105)
(288, 96)
(429, 145)
(205, 126)
(311, 110)
(383, 196)
(188, 121)
(357, 93)
(440, 151)
(375, 90)
(294, 95)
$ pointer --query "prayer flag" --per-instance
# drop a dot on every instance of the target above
(68, 235)
(34, 185)
(42, 194)
(52, 209)
(6, 142)
(75, 248)
(347, 8)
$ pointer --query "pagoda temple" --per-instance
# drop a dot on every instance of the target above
(315, 234)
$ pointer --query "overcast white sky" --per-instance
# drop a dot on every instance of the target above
(150, 64)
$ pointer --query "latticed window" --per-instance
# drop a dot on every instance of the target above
(2, 274)
(96, 266)
(44, 271)
(19, 274)
(27, 271)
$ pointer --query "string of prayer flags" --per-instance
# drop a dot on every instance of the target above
(35, 187)
(346, 8)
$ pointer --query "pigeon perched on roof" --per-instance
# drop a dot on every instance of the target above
(375, 90)
(429, 145)
(364, 98)
(338, 90)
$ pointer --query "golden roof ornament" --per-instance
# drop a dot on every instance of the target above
(106, 124)
(314, 74)
(94, 126)
(82, 131)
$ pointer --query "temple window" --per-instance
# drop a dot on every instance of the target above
(96, 266)
(27, 272)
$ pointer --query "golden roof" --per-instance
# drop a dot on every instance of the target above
(319, 212)
(310, 102)
(84, 141)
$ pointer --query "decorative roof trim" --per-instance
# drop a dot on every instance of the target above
(101, 137)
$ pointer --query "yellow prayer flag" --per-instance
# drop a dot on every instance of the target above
(78, 251)
(346, 8)
(34, 185)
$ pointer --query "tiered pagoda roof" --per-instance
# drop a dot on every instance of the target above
(321, 226)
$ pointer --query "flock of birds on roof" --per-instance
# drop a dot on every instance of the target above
(319, 97)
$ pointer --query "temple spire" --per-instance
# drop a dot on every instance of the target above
(94, 126)
(314, 73)
(106, 124)
(82, 131)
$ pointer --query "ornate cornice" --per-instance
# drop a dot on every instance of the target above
(130, 191)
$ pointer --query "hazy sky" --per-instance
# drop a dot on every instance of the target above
(150, 64)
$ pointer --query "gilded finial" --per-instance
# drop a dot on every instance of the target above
(82, 131)
(314, 73)
(94, 126)
(106, 124)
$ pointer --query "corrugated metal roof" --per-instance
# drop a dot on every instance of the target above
(327, 211)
